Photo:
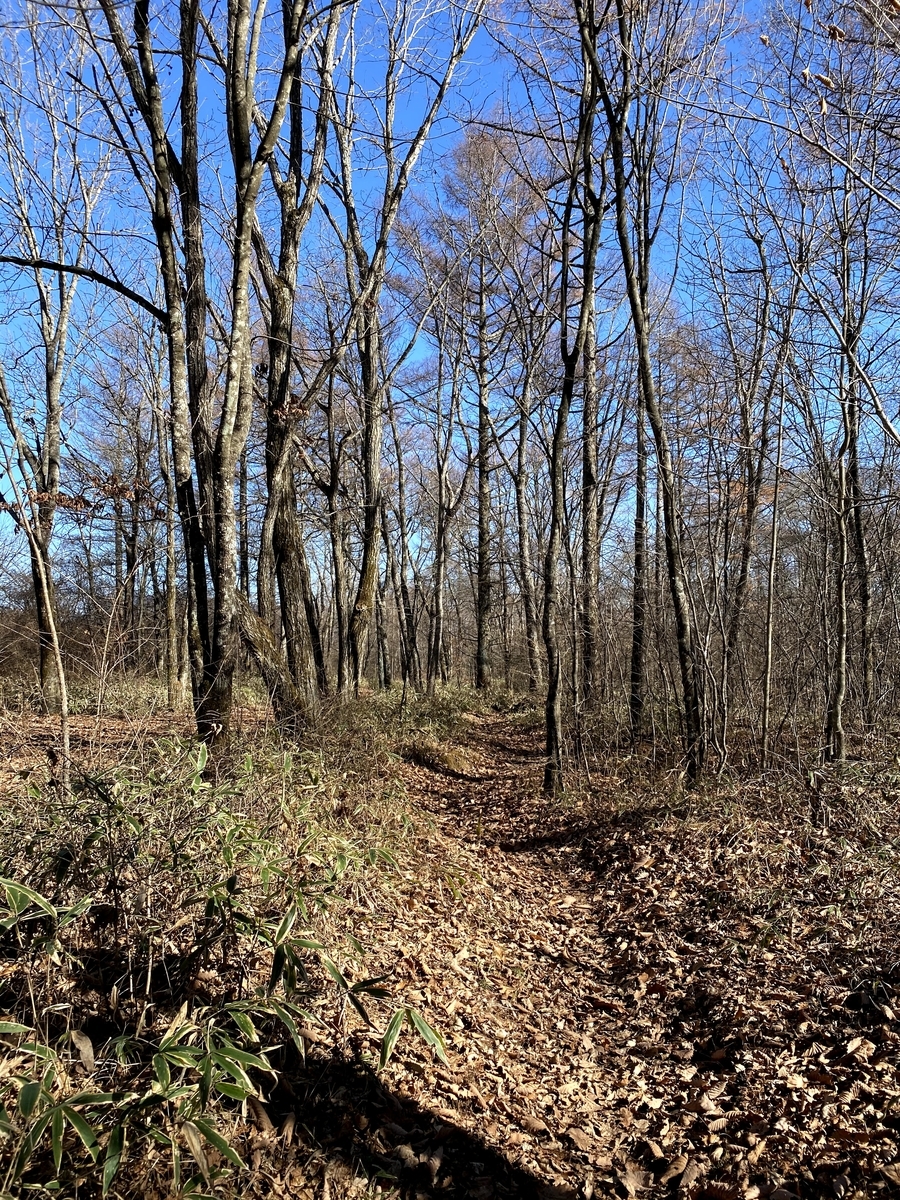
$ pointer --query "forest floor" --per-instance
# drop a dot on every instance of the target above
(639, 997)
(641, 991)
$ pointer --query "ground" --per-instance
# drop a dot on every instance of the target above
(641, 990)
(636, 997)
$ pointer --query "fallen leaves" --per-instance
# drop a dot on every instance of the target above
(679, 1002)
(674, 1169)
(582, 1140)
(633, 1178)
(532, 1124)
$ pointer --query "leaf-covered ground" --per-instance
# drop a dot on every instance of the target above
(642, 992)
(640, 995)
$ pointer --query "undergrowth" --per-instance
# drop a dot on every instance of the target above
(171, 941)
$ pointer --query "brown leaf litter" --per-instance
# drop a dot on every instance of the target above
(641, 995)
(644, 1001)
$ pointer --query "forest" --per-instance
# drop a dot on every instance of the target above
(449, 599)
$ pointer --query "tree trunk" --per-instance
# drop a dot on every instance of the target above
(368, 345)
(483, 600)
(590, 524)
(834, 723)
(637, 280)
(638, 676)
(47, 625)
(862, 567)
(526, 565)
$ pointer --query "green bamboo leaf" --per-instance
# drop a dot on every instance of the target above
(162, 1071)
(244, 1024)
(7, 1128)
(28, 1097)
(68, 915)
(27, 1148)
(371, 988)
(113, 1157)
(191, 1135)
(233, 1090)
(38, 1050)
(205, 1084)
(84, 1131)
(14, 1027)
(391, 1034)
(287, 924)
(357, 1004)
(245, 1057)
(431, 1035)
(336, 974)
(278, 960)
(215, 1139)
(57, 1127)
(184, 1056)
(20, 898)
(232, 1068)
(96, 1098)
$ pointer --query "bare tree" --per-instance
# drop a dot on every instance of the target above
(51, 189)
(647, 59)
(428, 39)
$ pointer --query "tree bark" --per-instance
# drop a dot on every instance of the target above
(638, 675)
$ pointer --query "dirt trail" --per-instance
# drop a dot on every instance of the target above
(614, 1027)
(514, 962)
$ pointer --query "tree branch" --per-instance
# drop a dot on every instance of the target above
(114, 285)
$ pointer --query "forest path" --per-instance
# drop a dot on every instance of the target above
(496, 946)
(632, 999)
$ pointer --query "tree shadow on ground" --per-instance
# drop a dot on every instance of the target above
(349, 1120)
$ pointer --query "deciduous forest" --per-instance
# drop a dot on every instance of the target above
(449, 599)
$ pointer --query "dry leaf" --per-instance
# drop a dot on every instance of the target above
(719, 1190)
(287, 1129)
(433, 1163)
(757, 1152)
(892, 1171)
(614, 1006)
(675, 1167)
(691, 1172)
(632, 1178)
(263, 1120)
(863, 1048)
(533, 1124)
(407, 1156)
(581, 1139)
(85, 1048)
